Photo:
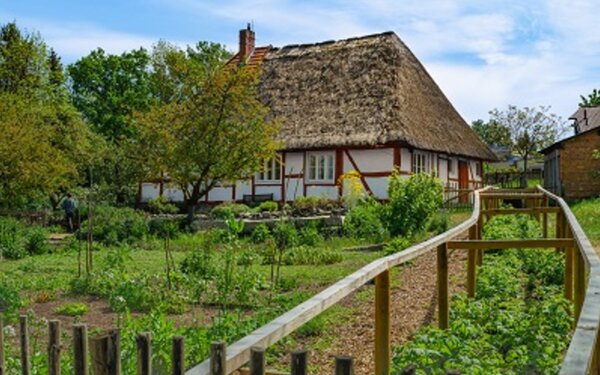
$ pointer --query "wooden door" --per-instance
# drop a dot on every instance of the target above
(463, 181)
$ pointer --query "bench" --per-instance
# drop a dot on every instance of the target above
(257, 198)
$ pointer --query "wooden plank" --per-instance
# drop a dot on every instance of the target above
(80, 349)
(54, 347)
(515, 211)
(512, 244)
(299, 362)
(442, 284)
(144, 353)
(579, 283)
(178, 356)
(239, 352)
(382, 324)
(569, 273)
(513, 195)
(25, 357)
(471, 264)
(218, 362)
(343, 365)
(257, 361)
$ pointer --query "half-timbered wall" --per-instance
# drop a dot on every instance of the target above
(374, 165)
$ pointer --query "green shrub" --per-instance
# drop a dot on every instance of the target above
(303, 255)
(311, 204)
(73, 309)
(260, 233)
(396, 245)
(439, 223)
(285, 234)
(412, 203)
(164, 227)
(227, 210)
(363, 221)
(310, 235)
(11, 244)
(37, 241)
(268, 206)
(10, 302)
(114, 225)
(161, 205)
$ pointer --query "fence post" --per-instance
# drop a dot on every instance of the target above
(178, 356)
(54, 347)
(299, 362)
(105, 351)
(442, 276)
(2, 370)
(545, 217)
(218, 361)
(471, 260)
(479, 252)
(80, 349)
(25, 360)
(257, 361)
(144, 353)
(382, 323)
(343, 365)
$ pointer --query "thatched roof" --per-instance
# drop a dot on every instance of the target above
(362, 92)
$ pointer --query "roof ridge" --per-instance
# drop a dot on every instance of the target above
(333, 41)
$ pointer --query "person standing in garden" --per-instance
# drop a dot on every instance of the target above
(69, 207)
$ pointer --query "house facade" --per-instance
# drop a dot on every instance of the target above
(570, 168)
(362, 104)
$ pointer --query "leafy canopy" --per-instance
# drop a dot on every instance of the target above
(592, 100)
(492, 133)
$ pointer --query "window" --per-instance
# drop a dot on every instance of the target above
(451, 166)
(320, 166)
(421, 163)
(271, 170)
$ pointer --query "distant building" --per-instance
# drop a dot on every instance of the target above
(570, 170)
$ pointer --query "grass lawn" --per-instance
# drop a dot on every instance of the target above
(588, 214)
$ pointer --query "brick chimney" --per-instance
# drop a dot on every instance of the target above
(246, 42)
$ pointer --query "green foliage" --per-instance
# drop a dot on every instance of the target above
(492, 133)
(269, 206)
(396, 245)
(227, 210)
(36, 241)
(592, 100)
(115, 225)
(310, 235)
(285, 234)
(260, 233)
(73, 309)
(440, 222)
(364, 221)
(164, 227)
(519, 323)
(161, 205)
(412, 203)
(18, 240)
(305, 255)
(10, 302)
(311, 204)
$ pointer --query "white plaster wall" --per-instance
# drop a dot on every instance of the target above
(242, 187)
(294, 187)
(275, 190)
(405, 160)
(173, 194)
(320, 191)
(294, 162)
(455, 172)
(377, 160)
(379, 186)
(443, 170)
(150, 191)
(473, 169)
(220, 194)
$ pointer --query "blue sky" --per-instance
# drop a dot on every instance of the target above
(484, 54)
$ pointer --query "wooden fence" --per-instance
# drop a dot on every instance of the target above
(511, 180)
(582, 287)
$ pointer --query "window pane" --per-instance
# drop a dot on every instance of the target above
(330, 167)
(313, 168)
(277, 170)
(321, 168)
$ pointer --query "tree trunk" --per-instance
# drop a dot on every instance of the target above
(191, 211)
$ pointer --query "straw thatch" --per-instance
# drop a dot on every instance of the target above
(362, 92)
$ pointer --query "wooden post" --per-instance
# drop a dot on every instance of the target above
(442, 276)
(382, 323)
(257, 361)
(106, 354)
(471, 266)
(144, 353)
(579, 284)
(343, 365)
(479, 253)
(80, 349)
(54, 347)
(218, 361)
(2, 369)
(559, 225)
(25, 360)
(545, 217)
(299, 362)
(178, 356)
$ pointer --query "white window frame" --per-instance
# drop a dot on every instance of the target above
(320, 167)
(452, 166)
(421, 162)
(272, 171)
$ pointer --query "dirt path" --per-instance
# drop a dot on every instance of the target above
(413, 304)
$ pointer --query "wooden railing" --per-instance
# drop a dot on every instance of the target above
(582, 287)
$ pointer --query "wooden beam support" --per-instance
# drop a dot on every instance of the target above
(579, 282)
(442, 276)
(512, 244)
(515, 211)
(2, 368)
(471, 264)
(512, 195)
(382, 324)
(178, 356)
(54, 347)
(25, 357)
(80, 349)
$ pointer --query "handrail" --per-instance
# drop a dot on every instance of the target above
(239, 352)
(582, 354)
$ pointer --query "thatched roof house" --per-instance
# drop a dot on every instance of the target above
(362, 92)
(361, 104)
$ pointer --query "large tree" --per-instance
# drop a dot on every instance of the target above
(210, 128)
(492, 133)
(531, 129)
